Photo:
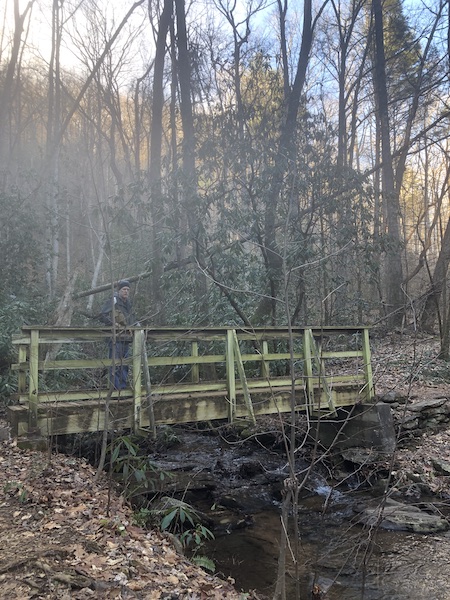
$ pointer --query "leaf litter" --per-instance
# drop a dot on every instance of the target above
(64, 535)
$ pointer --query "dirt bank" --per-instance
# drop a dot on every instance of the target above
(62, 535)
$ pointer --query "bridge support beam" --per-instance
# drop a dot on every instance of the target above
(368, 426)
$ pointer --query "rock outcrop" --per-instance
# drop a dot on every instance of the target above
(417, 416)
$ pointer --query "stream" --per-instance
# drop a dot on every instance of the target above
(400, 566)
(238, 488)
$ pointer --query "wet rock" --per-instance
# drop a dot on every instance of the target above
(250, 468)
(394, 397)
(416, 477)
(442, 467)
(431, 406)
(410, 422)
(396, 516)
(413, 492)
(229, 502)
(362, 456)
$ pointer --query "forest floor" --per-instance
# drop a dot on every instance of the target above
(65, 535)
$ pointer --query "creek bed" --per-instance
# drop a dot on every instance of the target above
(241, 494)
(400, 565)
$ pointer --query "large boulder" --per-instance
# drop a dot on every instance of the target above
(397, 516)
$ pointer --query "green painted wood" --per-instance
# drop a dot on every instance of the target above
(370, 391)
(238, 397)
(243, 378)
(148, 405)
(182, 389)
(138, 371)
(307, 366)
(57, 398)
(33, 386)
(318, 359)
(22, 375)
(55, 365)
(265, 357)
(231, 379)
(88, 416)
(162, 361)
(195, 372)
(81, 364)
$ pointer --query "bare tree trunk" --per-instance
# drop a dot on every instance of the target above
(282, 10)
(97, 256)
(53, 149)
(283, 162)
(63, 313)
(190, 192)
(179, 224)
(6, 92)
(138, 121)
(156, 206)
(394, 270)
(438, 282)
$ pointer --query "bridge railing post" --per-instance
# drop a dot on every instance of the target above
(265, 368)
(308, 369)
(22, 375)
(243, 378)
(33, 390)
(369, 387)
(230, 372)
(138, 342)
(195, 373)
(141, 373)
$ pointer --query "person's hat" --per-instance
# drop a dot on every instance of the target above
(123, 283)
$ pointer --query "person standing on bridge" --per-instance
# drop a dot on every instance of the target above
(118, 311)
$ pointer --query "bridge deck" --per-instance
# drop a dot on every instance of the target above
(185, 375)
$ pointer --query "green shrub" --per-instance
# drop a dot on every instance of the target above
(182, 520)
(136, 472)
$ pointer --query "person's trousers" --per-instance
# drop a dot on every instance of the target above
(119, 374)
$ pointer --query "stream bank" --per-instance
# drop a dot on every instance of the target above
(346, 543)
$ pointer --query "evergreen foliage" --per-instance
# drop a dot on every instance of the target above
(76, 194)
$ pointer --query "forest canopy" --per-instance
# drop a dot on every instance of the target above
(260, 163)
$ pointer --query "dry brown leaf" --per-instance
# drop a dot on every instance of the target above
(52, 525)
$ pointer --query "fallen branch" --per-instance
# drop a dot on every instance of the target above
(16, 564)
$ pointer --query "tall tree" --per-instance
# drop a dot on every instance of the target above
(155, 166)
(394, 269)
(7, 87)
(189, 178)
(283, 163)
(53, 205)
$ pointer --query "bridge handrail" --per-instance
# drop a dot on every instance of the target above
(35, 340)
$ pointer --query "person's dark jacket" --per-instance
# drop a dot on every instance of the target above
(123, 312)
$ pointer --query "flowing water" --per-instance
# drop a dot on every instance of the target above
(348, 561)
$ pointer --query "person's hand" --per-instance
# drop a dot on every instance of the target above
(119, 319)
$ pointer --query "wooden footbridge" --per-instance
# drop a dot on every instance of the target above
(180, 375)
